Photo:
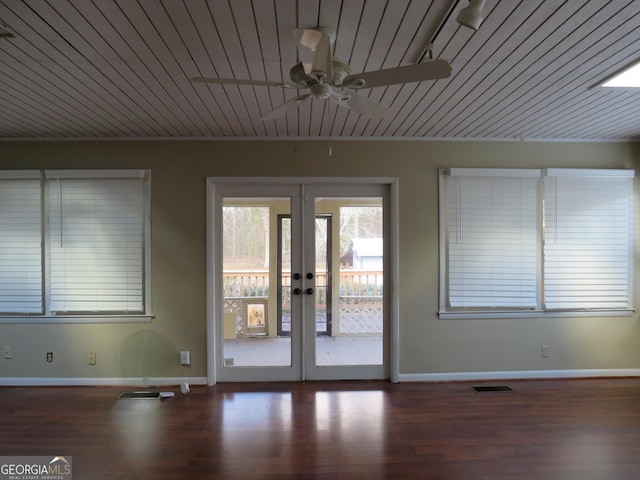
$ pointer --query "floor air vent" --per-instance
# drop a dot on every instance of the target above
(492, 388)
(139, 395)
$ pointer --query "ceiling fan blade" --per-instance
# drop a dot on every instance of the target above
(314, 48)
(282, 110)
(360, 104)
(232, 81)
(432, 70)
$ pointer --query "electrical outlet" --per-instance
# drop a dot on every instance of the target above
(49, 357)
(92, 358)
(6, 352)
(185, 357)
(545, 351)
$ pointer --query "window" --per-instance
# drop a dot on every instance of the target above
(74, 244)
(20, 243)
(521, 242)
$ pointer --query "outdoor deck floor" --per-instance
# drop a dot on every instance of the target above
(275, 351)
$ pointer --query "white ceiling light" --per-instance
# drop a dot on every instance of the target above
(471, 15)
(627, 78)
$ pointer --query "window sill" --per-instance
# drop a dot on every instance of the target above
(533, 314)
(77, 319)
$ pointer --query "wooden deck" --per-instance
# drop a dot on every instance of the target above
(578, 429)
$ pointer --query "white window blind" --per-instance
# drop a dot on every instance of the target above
(588, 239)
(20, 244)
(96, 244)
(493, 238)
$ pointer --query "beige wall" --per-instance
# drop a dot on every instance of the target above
(427, 344)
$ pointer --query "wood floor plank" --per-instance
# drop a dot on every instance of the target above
(559, 429)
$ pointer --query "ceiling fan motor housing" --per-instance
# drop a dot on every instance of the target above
(299, 77)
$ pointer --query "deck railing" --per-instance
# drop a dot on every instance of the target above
(359, 302)
(353, 283)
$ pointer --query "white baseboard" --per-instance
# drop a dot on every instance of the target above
(517, 375)
(99, 382)
(403, 377)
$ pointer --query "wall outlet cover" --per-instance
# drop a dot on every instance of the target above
(185, 357)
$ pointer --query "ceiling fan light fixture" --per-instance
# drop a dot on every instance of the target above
(471, 15)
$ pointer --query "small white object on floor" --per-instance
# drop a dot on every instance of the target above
(167, 394)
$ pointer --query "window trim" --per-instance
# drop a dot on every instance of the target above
(48, 317)
(88, 319)
(500, 313)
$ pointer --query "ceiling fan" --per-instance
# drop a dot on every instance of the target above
(328, 78)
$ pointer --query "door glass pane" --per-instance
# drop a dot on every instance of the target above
(251, 287)
(354, 250)
(284, 273)
(323, 275)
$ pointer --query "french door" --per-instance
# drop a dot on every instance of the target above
(299, 283)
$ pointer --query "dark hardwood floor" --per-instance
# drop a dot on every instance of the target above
(560, 429)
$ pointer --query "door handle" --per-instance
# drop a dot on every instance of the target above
(309, 275)
(309, 291)
(297, 276)
(297, 291)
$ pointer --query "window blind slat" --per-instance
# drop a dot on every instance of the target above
(20, 245)
(587, 241)
(492, 243)
(96, 229)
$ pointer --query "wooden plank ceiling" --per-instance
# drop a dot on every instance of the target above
(122, 68)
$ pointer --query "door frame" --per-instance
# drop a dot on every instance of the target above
(391, 252)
